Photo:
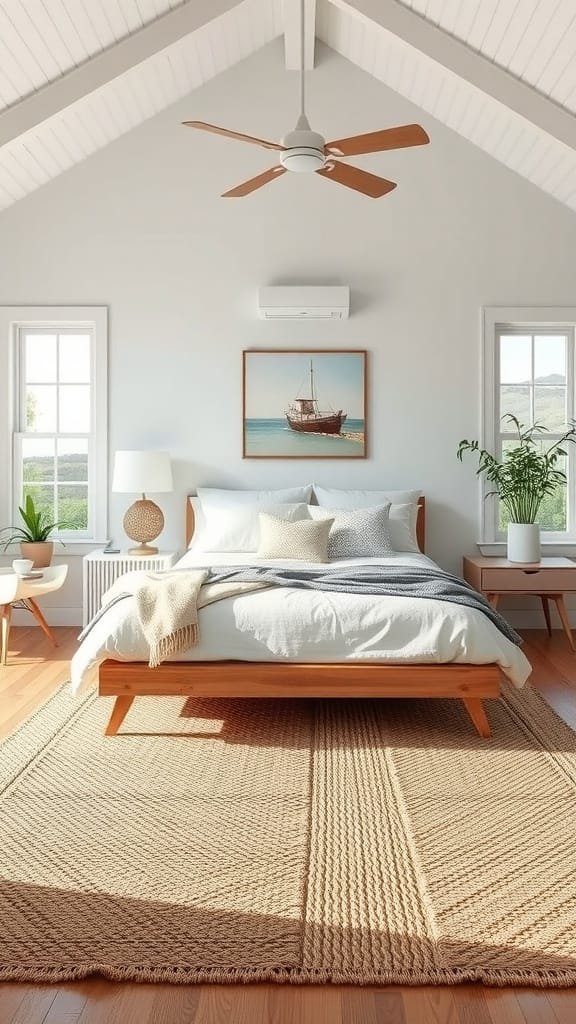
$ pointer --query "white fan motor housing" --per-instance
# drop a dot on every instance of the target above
(304, 151)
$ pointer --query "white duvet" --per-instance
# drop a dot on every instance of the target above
(284, 624)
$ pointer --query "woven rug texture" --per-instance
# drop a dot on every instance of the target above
(294, 841)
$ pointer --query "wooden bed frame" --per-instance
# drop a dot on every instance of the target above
(127, 680)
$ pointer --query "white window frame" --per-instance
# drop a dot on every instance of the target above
(498, 320)
(14, 320)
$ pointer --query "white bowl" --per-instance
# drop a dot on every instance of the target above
(22, 566)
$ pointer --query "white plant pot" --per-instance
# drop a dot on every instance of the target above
(523, 542)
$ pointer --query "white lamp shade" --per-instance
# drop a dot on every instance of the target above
(142, 472)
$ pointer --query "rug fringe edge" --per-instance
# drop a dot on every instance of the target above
(291, 976)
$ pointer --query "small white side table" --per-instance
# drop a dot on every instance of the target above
(100, 571)
(14, 590)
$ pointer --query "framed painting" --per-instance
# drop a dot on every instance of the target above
(304, 404)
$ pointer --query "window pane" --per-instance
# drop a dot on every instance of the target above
(37, 459)
(515, 400)
(515, 359)
(552, 514)
(550, 407)
(43, 497)
(73, 507)
(550, 359)
(74, 408)
(41, 408)
(74, 352)
(72, 459)
(40, 358)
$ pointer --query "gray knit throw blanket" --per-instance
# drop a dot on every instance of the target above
(383, 580)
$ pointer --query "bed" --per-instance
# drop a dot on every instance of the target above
(297, 644)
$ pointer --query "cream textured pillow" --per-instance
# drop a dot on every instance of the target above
(305, 540)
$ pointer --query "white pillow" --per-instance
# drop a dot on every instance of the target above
(332, 497)
(402, 521)
(306, 540)
(401, 524)
(218, 497)
(236, 527)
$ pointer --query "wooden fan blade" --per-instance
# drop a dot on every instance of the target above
(359, 180)
(250, 186)
(376, 142)
(205, 127)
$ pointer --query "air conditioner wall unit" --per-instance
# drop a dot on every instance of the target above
(304, 302)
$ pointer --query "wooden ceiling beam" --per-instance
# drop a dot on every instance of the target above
(292, 28)
(107, 65)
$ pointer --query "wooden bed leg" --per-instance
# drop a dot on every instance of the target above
(119, 711)
(475, 709)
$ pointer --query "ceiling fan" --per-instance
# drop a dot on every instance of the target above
(303, 150)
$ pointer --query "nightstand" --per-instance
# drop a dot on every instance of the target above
(549, 579)
(18, 591)
(99, 572)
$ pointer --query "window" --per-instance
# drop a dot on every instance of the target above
(58, 413)
(529, 372)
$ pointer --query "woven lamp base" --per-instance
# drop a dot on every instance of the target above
(143, 522)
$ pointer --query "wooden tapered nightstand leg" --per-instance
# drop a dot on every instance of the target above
(546, 609)
(5, 614)
(475, 709)
(119, 712)
(563, 613)
(493, 599)
(33, 607)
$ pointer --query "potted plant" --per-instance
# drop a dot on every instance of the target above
(34, 534)
(527, 473)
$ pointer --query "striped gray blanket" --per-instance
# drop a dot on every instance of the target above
(412, 581)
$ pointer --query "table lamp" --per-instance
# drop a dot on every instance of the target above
(138, 472)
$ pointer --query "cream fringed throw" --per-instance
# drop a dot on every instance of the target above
(167, 606)
(167, 609)
(365, 842)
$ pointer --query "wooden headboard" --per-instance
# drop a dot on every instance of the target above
(420, 522)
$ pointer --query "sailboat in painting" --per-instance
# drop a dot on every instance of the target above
(305, 416)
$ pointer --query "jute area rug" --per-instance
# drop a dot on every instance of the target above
(292, 841)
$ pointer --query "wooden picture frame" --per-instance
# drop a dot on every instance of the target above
(287, 415)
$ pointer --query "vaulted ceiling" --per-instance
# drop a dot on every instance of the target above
(76, 74)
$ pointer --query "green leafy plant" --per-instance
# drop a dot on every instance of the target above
(37, 525)
(527, 473)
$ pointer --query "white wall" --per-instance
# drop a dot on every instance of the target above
(140, 227)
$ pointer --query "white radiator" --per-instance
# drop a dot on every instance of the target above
(101, 571)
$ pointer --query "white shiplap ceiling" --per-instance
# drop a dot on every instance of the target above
(39, 41)
(86, 125)
(51, 44)
(481, 118)
(533, 39)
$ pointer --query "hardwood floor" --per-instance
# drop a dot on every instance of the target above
(33, 672)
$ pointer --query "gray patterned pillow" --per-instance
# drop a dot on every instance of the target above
(361, 533)
(305, 539)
